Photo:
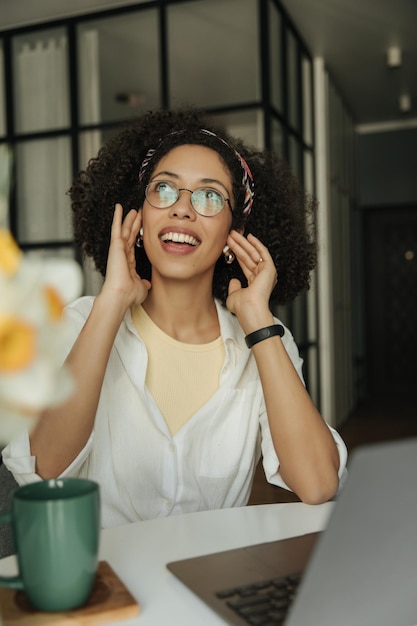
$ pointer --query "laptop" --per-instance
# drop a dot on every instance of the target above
(361, 570)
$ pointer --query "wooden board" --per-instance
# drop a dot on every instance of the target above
(109, 601)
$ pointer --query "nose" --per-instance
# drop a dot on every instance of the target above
(183, 208)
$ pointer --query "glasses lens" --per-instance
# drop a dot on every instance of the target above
(207, 201)
(161, 194)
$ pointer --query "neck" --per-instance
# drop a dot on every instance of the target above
(183, 311)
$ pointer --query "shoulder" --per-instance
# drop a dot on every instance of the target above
(80, 308)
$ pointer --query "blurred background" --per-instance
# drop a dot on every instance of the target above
(329, 85)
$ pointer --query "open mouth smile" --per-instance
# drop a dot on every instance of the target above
(181, 238)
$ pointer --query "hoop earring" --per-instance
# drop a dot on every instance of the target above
(229, 256)
(139, 239)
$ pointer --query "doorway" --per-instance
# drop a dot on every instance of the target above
(390, 254)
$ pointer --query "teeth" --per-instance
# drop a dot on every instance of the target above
(180, 238)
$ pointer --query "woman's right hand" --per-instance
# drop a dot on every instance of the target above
(122, 278)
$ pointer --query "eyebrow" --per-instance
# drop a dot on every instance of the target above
(206, 181)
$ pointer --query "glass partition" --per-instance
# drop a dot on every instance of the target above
(41, 85)
(4, 199)
(2, 94)
(44, 176)
(294, 157)
(247, 125)
(307, 80)
(213, 51)
(119, 66)
(293, 81)
(278, 138)
(51, 253)
(308, 172)
(90, 143)
(275, 57)
(299, 319)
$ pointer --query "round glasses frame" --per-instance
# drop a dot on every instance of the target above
(195, 198)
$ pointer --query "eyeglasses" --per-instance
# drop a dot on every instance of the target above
(206, 201)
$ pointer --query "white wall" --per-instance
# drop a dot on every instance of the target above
(335, 193)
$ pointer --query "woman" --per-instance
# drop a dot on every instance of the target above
(183, 375)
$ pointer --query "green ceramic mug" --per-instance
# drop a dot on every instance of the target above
(56, 529)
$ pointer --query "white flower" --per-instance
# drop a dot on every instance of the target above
(33, 334)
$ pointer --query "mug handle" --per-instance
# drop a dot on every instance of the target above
(11, 582)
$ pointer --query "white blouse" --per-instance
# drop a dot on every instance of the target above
(143, 471)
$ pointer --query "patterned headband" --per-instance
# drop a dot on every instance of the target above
(247, 178)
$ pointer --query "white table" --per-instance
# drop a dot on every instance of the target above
(139, 552)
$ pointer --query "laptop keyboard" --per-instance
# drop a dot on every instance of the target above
(264, 603)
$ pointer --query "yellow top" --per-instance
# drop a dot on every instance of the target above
(180, 376)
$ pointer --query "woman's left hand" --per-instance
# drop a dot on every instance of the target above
(259, 269)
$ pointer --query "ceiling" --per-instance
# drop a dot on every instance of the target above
(351, 35)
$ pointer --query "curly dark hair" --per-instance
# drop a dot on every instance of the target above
(281, 215)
